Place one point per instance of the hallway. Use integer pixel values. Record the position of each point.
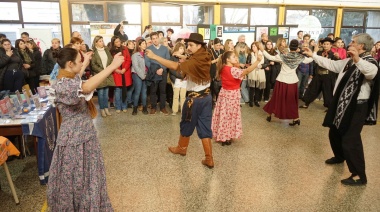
(273, 167)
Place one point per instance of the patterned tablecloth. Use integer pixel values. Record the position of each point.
(45, 130)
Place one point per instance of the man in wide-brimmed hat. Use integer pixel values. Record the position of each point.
(197, 109)
(323, 79)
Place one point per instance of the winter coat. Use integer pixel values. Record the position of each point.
(97, 67)
(127, 74)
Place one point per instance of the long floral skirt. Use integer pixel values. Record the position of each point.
(226, 120)
(77, 179)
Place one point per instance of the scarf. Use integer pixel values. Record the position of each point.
(344, 102)
(197, 68)
(256, 78)
(26, 56)
(292, 59)
(91, 106)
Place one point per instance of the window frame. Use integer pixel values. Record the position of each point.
(249, 7)
(311, 12)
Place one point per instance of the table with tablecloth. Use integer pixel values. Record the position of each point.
(8, 149)
(45, 129)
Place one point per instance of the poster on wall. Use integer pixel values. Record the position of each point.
(219, 31)
(284, 31)
(41, 36)
(103, 29)
(259, 31)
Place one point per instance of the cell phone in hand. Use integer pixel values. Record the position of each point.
(125, 22)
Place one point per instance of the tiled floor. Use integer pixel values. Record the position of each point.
(273, 167)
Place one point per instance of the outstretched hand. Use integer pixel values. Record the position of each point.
(87, 58)
(307, 52)
(118, 59)
(149, 54)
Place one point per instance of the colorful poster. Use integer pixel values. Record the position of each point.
(273, 31)
(219, 32)
(212, 31)
(202, 32)
(284, 31)
(259, 31)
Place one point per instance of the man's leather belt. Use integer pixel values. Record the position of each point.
(323, 72)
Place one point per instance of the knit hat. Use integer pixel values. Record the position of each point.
(293, 45)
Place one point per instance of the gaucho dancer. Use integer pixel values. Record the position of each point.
(197, 110)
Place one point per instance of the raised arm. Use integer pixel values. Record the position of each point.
(95, 81)
(167, 63)
(276, 58)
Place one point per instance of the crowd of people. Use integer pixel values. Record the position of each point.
(207, 83)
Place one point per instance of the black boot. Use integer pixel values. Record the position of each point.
(145, 110)
(134, 112)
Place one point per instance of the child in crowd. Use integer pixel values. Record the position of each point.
(179, 82)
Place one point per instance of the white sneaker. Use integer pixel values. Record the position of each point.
(118, 111)
(173, 114)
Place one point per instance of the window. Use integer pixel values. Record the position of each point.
(235, 16)
(243, 19)
(124, 12)
(355, 22)
(55, 29)
(263, 16)
(9, 11)
(165, 14)
(84, 30)
(294, 16)
(87, 12)
(193, 15)
(326, 17)
(11, 31)
(40, 11)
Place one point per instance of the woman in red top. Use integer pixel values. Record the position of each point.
(226, 120)
(339, 50)
(122, 76)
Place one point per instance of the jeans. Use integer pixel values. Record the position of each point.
(139, 89)
(119, 103)
(302, 83)
(244, 92)
(103, 97)
(130, 94)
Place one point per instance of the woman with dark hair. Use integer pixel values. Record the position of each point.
(216, 51)
(77, 179)
(28, 64)
(340, 52)
(284, 102)
(122, 76)
(271, 71)
(139, 71)
(119, 32)
(101, 59)
(11, 75)
(37, 60)
(147, 30)
(226, 119)
(257, 78)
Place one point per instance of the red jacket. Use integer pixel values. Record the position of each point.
(127, 74)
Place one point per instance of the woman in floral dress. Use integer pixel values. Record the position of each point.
(226, 120)
(77, 176)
